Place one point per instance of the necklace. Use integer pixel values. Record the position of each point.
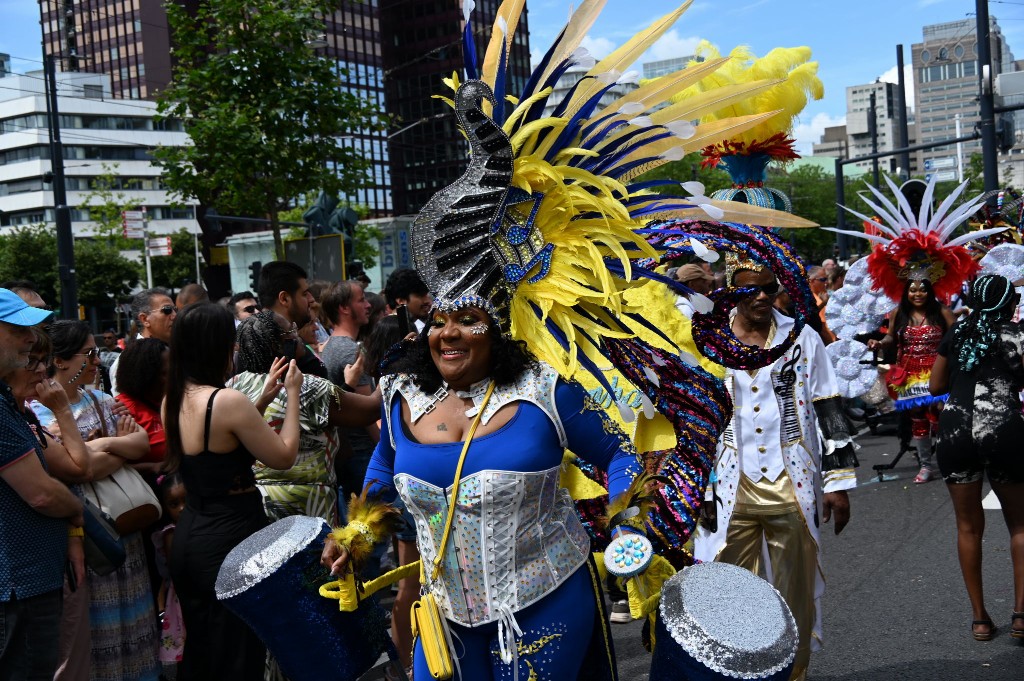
(476, 392)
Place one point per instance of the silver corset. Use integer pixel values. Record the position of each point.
(515, 538)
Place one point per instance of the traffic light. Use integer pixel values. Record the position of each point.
(255, 269)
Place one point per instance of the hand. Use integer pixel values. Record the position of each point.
(838, 504)
(334, 557)
(76, 556)
(273, 384)
(126, 425)
(118, 409)
(293, 379)
(874, 345)
(354, 372)
(52, 395)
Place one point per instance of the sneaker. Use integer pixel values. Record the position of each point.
(620, 613)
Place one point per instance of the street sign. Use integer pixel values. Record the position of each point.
(160, 245)
(945, 175)
(947, 162)
(134, 223)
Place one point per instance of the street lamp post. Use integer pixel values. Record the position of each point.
(62, 213)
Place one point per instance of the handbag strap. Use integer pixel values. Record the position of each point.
(96, 408)
(455, 487)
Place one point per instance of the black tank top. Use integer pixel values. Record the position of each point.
(214, 474)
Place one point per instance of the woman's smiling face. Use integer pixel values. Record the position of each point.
(460, 345)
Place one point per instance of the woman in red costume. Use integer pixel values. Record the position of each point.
(916, 327)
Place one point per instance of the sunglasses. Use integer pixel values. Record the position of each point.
(166, 310)
(251, 309)
(820, 279)
(771, 290)
(91, 353)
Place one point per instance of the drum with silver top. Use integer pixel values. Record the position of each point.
(719, 621)
(271, 581)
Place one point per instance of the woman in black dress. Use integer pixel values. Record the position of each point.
(980, 432)
(214, 435)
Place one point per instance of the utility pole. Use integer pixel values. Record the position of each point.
(986, 100)
(904, 128)
(873, 132)
(62, 214)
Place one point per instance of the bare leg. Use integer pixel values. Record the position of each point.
(970, 526)
(1011, 498)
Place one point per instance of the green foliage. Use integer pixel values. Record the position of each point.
(31, 253)
(367, 237)
(180, 266)
(101, 272)
(264, 113)
(105, 206)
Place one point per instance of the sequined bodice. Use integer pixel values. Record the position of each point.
(514, 539)
(919, 346)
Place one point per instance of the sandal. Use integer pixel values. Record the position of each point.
(1016, 633)
(923, 476)
(984, 635)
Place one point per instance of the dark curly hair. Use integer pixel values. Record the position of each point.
(139, 369)
(509, 359)
(259, 342)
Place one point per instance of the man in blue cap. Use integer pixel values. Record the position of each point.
(37, 515)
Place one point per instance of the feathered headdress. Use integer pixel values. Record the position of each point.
(790, 79)
(916, 247)
(551, 226)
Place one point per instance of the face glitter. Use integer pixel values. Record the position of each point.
(479, 329)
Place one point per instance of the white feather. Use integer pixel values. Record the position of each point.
(713, 211)
(865, 218)
(503, 25)
(581, 57)
(630, 78)
(688, 358)
(923, 223)
(694, 187)
(703, 252)
(885, 218)
(980, 234)
(682, 129)
(648, 406)
(673, 154)
(701, 303)
(651, 376)
(870, 237)
(641, 121)
(467, 8)
(935, 223)
(625, 412)
(608, 77)
(904, 213)
(631, 108)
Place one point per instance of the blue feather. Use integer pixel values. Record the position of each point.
(500, 106)
(531, 84)
(572, 128)
(469, 52)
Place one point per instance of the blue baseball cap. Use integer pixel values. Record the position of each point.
(14, 310)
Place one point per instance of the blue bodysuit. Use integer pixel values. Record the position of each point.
(513, 559)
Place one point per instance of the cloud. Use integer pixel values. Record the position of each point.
(670, 46)
(807, 134)
(598, 47)
(891, 76)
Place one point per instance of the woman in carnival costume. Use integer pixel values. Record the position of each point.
(530, 256)
(918, 266)
(980, 431)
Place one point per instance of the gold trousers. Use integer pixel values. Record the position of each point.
(768, 513)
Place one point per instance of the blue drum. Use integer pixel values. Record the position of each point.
(718, 621)
(272, 580)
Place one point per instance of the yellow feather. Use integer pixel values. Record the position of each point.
(573, 33)
(653, 92)
(509, 11)
(622, 58)
(787, 99)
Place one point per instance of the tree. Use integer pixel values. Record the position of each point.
(101, 272)
(106, 206)
(366, 237)
(266, 115)
(178, 267)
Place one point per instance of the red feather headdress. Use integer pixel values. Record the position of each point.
(916, 247)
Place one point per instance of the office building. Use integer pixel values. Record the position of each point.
(946, 85)
(421, 43)
(663, 67)
(833, 143)
(888, 118)
(100, 135)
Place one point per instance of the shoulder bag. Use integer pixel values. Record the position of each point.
(427, 620)
(123, 495)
